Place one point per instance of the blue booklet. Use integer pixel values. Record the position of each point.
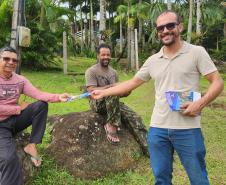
(84, 95)
(176, 99)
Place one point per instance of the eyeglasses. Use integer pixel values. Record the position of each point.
(168, 26)
(8, 59)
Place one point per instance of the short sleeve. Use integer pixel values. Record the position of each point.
(90, 78)
(144, 73)
(204, 63)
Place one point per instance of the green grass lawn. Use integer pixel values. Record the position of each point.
(142, 101)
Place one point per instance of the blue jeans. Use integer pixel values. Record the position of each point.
(189, 145)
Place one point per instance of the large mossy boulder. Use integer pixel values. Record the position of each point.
(79, 145)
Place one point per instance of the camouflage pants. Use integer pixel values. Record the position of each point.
(117, 113)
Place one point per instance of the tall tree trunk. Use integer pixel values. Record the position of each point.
(132, 52)
(198, 22)
(217, 47)
(109, 16)
(143, 42)
(224, 30)
(74, 28)
(136, 50)
(129, 47)
(73, 23)
(102, 26)
(140, 27)
(92, 27)
(81, 23)
(169, 5)
(86, 23)
(190, 21)
(129, 40)
(42, 14)
(121, 36)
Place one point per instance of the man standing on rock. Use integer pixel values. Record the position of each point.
(15, 117)
(102, 76)
(176, 67)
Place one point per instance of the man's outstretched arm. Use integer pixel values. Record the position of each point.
(119, 89)
(92, 87)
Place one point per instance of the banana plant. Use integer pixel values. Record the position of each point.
(6, 10)
(52, 13)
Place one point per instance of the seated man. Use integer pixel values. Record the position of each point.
(14, 117)
(102, 76)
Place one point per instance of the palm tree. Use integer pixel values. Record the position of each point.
(42, 14)
(140, 26)
(124, 15)
(189, 32)
(92, 38)
(81, 26)
(50, 13)
(154, 11)
(129, 23)
(121, 17)
(102, 26)
(198, 21)
(130, 13)
(142, 9)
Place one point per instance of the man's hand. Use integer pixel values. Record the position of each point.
(24, 105)
(97, 94)
(63, 97)
(192, 108)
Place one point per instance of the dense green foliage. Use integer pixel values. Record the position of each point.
(44, 48)
(220, 54)
(44, 18)
(5, 21)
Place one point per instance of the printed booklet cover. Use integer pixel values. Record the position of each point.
(175, 99)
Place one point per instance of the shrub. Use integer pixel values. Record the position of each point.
(220, 54)
(42, 51)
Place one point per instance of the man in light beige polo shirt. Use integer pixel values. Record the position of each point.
(176, 67)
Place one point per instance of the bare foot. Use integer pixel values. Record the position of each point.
(31, 150)
(111, 133)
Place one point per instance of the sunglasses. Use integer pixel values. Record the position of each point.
(8, 59)
(168, 26)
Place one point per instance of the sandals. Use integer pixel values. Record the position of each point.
(112, 136)
(36, 160)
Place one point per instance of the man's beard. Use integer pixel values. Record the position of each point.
(172, 39)
(104, 63)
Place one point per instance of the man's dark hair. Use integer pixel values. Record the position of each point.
(179, 18)
(103, 46)
(7, 48)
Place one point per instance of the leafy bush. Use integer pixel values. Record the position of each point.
(114, 63)
(220, 54)
(5, 22)
(43, 49)
(87, 52)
